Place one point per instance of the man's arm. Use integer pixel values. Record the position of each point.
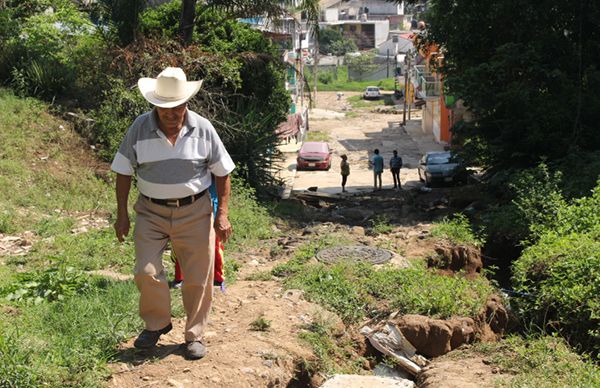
(223, 228)
(122, 223)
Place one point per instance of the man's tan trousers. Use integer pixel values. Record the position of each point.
(190, 229)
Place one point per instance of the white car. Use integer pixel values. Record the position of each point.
(372, 92)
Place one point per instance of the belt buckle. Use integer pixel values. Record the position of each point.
(173, 203)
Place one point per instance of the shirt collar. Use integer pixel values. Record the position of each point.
(187, 126)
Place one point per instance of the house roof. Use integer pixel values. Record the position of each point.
(324, 4)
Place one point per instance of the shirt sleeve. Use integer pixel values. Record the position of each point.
(126, 157)
(220, 163)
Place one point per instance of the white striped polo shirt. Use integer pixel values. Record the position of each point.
(167, 171)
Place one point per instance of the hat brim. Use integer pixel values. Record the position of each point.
(147, 87)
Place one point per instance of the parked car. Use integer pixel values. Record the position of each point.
(441, 167)
(314, 155)
(372, 92)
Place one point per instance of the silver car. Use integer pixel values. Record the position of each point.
(441, 167)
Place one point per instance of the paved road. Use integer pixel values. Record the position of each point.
(357, 137)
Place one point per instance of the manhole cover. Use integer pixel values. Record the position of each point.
(354, 253)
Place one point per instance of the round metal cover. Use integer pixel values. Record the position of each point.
(354, 253)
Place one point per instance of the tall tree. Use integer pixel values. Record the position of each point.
(528, 71)
(186, 24)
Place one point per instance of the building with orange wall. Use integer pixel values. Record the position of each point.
(437, 117)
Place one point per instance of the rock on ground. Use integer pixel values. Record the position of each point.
(358, 381)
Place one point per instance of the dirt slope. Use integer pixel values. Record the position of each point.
(238, 356)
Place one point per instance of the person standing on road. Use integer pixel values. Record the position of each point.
(173, 152)
(345, 171)
(395, 166)
(377, 163)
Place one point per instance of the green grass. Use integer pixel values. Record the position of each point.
(343, 84)
(540, 362)
(360, 102)
(43, 167)
(68, 343)
(93, 250)
(68, 324)
(317, 136)
(250, 220)
(356, 290)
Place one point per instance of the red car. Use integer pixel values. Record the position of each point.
(314, 155)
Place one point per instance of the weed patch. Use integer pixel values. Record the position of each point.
(381, 224)
(457, 230)
(251, 221)
(260, 324)
(335, 354)
(49, 285)
(355, 290)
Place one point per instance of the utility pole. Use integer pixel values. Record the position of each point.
(406, 88)
(387, 62)
(300, 65)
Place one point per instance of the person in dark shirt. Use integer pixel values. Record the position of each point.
(395, 166)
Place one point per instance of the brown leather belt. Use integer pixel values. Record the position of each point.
(176, 202)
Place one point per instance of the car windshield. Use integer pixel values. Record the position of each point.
(314, 147)
(372, 89)
(438, 159)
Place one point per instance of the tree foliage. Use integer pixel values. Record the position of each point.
(332, 41)
(54, 50)
(528, 71)
(361, 64)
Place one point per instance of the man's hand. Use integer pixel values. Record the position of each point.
(122, 227)
(223, 228)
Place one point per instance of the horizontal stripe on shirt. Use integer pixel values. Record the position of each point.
(172, 171)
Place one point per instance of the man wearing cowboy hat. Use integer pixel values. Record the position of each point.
(173, 152)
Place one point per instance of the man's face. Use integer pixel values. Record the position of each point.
(172, 117)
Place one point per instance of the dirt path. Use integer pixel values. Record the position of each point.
(238, 356)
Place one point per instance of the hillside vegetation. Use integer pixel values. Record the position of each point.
(60, 324)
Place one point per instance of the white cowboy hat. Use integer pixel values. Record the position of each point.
(170, 89)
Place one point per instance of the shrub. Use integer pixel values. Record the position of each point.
(119, 108)
(559, 282)
(52, 50)
(325, 77)
(534, 200)
(538, 197)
